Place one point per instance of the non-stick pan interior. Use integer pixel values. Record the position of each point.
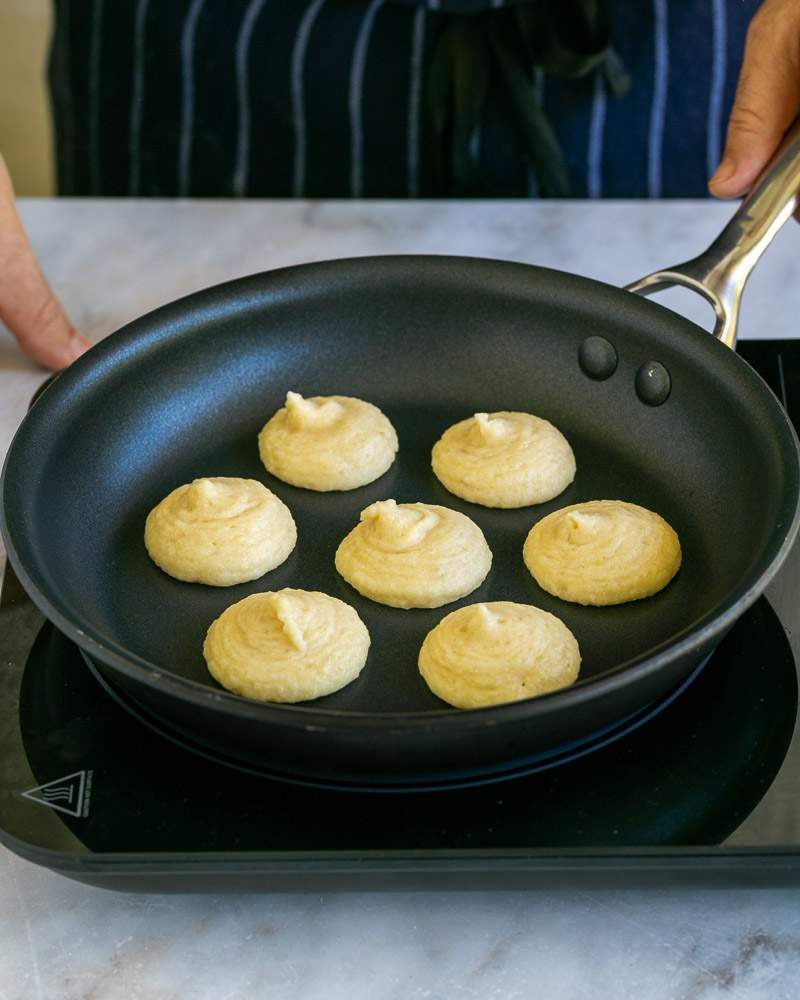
(184, 391)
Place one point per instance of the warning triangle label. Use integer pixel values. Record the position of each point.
(67, 794)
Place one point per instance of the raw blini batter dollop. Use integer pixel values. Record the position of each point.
(414, 555)
(327, 442)
(489, 654)
(286, 645)
(504, 459)
(602, 552)
(220, 531)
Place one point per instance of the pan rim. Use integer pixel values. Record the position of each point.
(106, 652)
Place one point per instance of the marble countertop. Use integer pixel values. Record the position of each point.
(111, 261)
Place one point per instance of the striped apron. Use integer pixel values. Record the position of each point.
(326, 99)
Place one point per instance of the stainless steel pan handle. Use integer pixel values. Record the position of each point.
(719, 273)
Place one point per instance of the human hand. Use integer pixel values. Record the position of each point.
(767, 97)
(27, 305)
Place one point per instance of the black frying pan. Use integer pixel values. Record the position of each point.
(183, 391)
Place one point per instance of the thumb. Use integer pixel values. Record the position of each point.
(41, 326)
(27, 305)
(767, 98)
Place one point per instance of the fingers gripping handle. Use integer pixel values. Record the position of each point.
(719, 273)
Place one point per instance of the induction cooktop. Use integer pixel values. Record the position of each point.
(702, 787)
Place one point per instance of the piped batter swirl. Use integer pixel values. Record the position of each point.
(602, 552)
(504, 459)
(414, 555)
(287, 646)
(220, 531)
(327, 442)
(490, 654)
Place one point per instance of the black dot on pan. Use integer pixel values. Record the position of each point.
(597, 358)
(653, 383)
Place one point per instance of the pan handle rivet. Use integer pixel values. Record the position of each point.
(653, 383)
(597, 358)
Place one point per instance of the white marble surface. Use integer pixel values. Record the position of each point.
(64, 942)
(111, 261)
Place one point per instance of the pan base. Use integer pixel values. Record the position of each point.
(533, 764)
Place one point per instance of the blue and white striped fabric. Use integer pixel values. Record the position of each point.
(326, 98)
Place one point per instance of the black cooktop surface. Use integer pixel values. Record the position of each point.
(703, 786)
